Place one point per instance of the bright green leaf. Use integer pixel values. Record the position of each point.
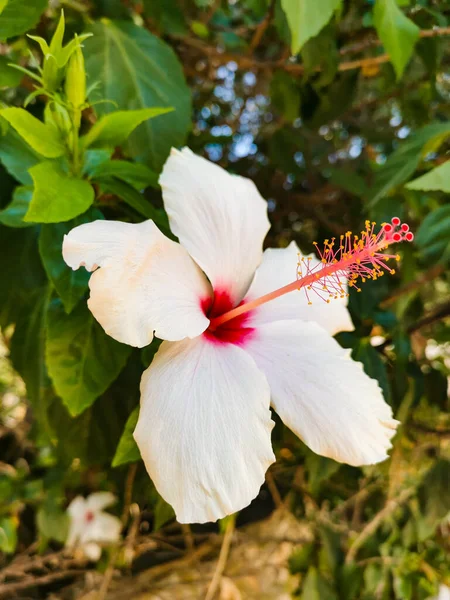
(13, 214)
(306, 18)
(115, 128)
(65, 199)
(127, 450)
(135, 174)
(70, 285)
(137, 70)
(41, 137)
(402, 163)
(18, 16)
(8, 534)
(82, 360)
(398, 33)
(437, 179)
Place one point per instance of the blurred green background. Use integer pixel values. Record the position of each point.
(339, 111)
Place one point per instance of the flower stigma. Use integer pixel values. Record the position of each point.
(353, 258)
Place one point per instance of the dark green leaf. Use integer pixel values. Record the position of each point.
(82, 360)
(17, 156)
(66, 197)
(167, 14)
(135, 174)
(316, 587)
(127, 450)
(13, 214)
(137, 70)
(404, 161)
(70, 285)
(137, 201)
(433, 236)
(373, 364)
(17, 16)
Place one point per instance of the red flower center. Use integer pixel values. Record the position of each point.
(233, 331)
(89, 516)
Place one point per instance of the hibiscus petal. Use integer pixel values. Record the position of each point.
(103, 528)
(322, 394)
(99, 500)
(146, 282)
(221, 219)
(204, 428)
(278, 268)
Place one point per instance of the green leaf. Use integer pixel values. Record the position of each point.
(136, 70)
(13, 214)
(319, 469)
(163, 513)
(70, 285)
(402, 163)
(93, 159)
(9, 77)
(8, 534)
(433, 236)
(373, 364)
(138, 202)
(42, 138)
(82, 360)
(285, 95)
(398, 33)
(137, 175)
(167, 14)
(115, 128)
(17, 156)
(21, 269)
(66, 197)
(27, 352)
(316, 587)
(437, 179)
(127, 450)
(18, 16)
(52, 522)
(306, 18)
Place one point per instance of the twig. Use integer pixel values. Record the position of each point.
(188, 537)
(276, 496)
(247, 62)
(221, 563)
(373, 525)
(438, 314)
(7, 589)
(261, 29)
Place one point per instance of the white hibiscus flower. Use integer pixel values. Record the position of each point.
(233, 346)
(90, 526)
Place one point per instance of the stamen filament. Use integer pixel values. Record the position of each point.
(357, 257)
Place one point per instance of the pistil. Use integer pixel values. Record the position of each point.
(353, 258)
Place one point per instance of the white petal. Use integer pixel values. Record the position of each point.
(100, 500)
(76, 511)
(322, 394)
(103, 528)
(278, 268)
(146, 283)
(204, 428)
(91, 551)
(221, 219)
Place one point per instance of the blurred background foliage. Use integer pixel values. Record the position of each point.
(339, 111)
